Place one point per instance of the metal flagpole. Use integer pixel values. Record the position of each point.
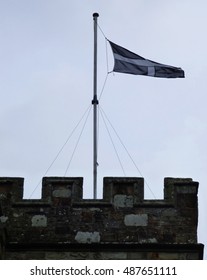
(95, 104)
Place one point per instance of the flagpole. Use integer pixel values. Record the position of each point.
(95, 104)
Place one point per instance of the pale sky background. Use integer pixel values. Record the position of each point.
(46, 85)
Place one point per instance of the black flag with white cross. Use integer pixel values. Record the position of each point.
(131, 63)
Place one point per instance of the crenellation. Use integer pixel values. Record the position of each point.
(128, 187)
(70, 189)
(122, 217)
(11, 189)
(172, 186)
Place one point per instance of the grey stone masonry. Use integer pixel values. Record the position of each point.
(63, 225)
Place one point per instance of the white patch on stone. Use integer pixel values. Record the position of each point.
(87, 237)
(3, 219)
(136, 220)
(121, 200)
(62, 193)
(39, 221)
(149, 240)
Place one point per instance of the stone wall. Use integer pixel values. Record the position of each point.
(2, 236)
(122, 225)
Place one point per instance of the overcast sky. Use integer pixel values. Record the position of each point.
(46, 87)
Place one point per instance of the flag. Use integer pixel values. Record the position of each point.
(128, 62)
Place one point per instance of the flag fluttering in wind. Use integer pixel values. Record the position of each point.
(128, 62)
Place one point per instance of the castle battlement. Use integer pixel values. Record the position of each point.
(65, 222)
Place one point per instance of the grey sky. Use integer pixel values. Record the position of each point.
(46, 83)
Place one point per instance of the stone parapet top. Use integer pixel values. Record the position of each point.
(117, 191)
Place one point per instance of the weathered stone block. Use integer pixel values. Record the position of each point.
(62, 193)
(121, 200)
(39, 221)
(136, 220)
(87, 237)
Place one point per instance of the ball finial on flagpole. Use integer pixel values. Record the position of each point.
(95, 15)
